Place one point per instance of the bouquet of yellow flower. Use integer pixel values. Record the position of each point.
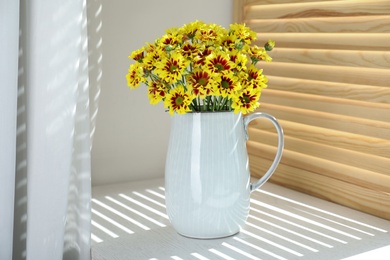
(202, 67)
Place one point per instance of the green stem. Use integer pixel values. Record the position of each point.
(183, 82)
(223, 103)
(208, 103)
(230, 105)
(215, 101)
(194, 105)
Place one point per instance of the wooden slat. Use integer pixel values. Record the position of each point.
(324, 151)
(351, 75)
(367, 59)
(334, 41)
(354, 24)
(360, 198)
(318, 9)
(377, 129)
(238, 7)
(358, 176)
(374, 111)
(271, 2)
(325, 136)
(331, 89)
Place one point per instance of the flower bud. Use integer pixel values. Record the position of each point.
(269, 45)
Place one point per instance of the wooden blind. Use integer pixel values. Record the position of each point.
(329, 86)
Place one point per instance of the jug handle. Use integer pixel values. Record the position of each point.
(278, 156)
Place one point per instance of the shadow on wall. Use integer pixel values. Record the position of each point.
(20, 207)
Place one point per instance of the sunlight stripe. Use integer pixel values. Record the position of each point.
(307, 220)
(144, 206)
(216, 252)
(104, 229)
(336, 222)
(259, 248)
(272, 243)
(199, 256)
(300, 226)
(156, 193)
(95, 238)
(136, 212)
(282, 237)
(321, 210)
(120, 214)
(111, 221)
(240, 251)
(148, 199)
(290, 231)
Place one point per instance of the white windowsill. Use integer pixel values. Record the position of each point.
(129, 222)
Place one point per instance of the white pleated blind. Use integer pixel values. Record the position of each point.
(329, 86)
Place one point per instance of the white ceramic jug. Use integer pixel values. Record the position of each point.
(207, 178)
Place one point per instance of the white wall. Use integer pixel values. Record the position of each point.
(131, 135)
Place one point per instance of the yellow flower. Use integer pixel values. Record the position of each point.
(137, 55)
(256, 53)
(255, 79)
(239, 59)
(156, 92)
(171, 39)
(149, 47)
(200, 59)
(246, 101)
(267, 58)
(189, 30)
(231, 43)
(227, 86)
(202, 67)
(242, 32)
(210, 34)
(135, 76)
(178, 100)
(171, 68)
(218, 62)
(152, 57)
(201, 83)
(189, 51)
